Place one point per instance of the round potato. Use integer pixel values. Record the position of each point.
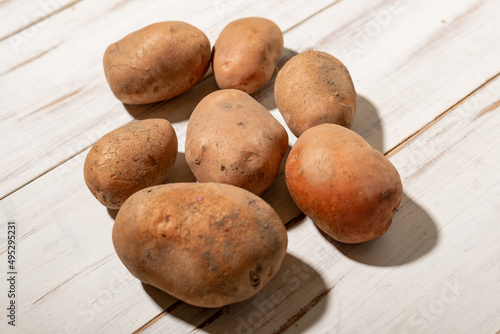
(315, 88)
(207, 244)
(157, 62)
(246, 53)
(233, 139)
(348, 189)
(130, 158)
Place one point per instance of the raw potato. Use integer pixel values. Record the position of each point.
(350, 190)
(246, 53)
(207, 244)
(233, 139)
(129, 159)
(315, 88)
(157, 62)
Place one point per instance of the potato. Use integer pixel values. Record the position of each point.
(246, 53)
(130, 158)
(157, 62)
(233, 139)
(315, 88)
(348, 189)
(207, 244)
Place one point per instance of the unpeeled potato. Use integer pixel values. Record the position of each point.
(348, 189)
(128, 159)
(314, 88)
(207, 244)
(245, 54)
(157, 62)
(233, 139)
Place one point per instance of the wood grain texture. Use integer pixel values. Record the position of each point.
(25, 18)
(437, 268)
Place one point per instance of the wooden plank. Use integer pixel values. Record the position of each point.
(436, 269)
(26, 18)
(77, 94)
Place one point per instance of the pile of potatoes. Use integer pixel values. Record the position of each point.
(216, 242)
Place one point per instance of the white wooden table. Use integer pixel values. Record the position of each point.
(428, 78)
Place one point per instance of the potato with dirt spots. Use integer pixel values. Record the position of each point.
(233, 139)
(157, 62)
(130, 158)
(246, 53)
(314, 88)
(348, 189)
(207, 244)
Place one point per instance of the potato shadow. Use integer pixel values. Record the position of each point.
(162, 299)
(367, 123)
(265, 95)
(411, 236)
(296, 284)
(177, 109)
(278, 196)
(112, 213)
(181, 171)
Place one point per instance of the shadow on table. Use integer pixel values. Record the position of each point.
(179, 108)
(296, 290)
(265, 95)
(367, 123)
(412, 234)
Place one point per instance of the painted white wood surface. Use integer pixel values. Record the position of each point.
(444, 242)
(24, 18)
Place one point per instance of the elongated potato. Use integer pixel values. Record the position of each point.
(130, 158)
(233, 139)
(157, 62)
(207, 244)
(246, 53)
(349, 190)
(315, 88)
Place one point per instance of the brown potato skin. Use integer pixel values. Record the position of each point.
(157, 62)
(246, 53)
(314, 88)
(348, 189)
(130, 158)
(233, 139)
(207, 244)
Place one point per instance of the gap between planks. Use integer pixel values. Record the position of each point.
(417, 133)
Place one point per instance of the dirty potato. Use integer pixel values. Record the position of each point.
(233, 139)
(348, 189)
(246, 53)
(157, 62)
(207, 244)
(314, 88)
(130, 158)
